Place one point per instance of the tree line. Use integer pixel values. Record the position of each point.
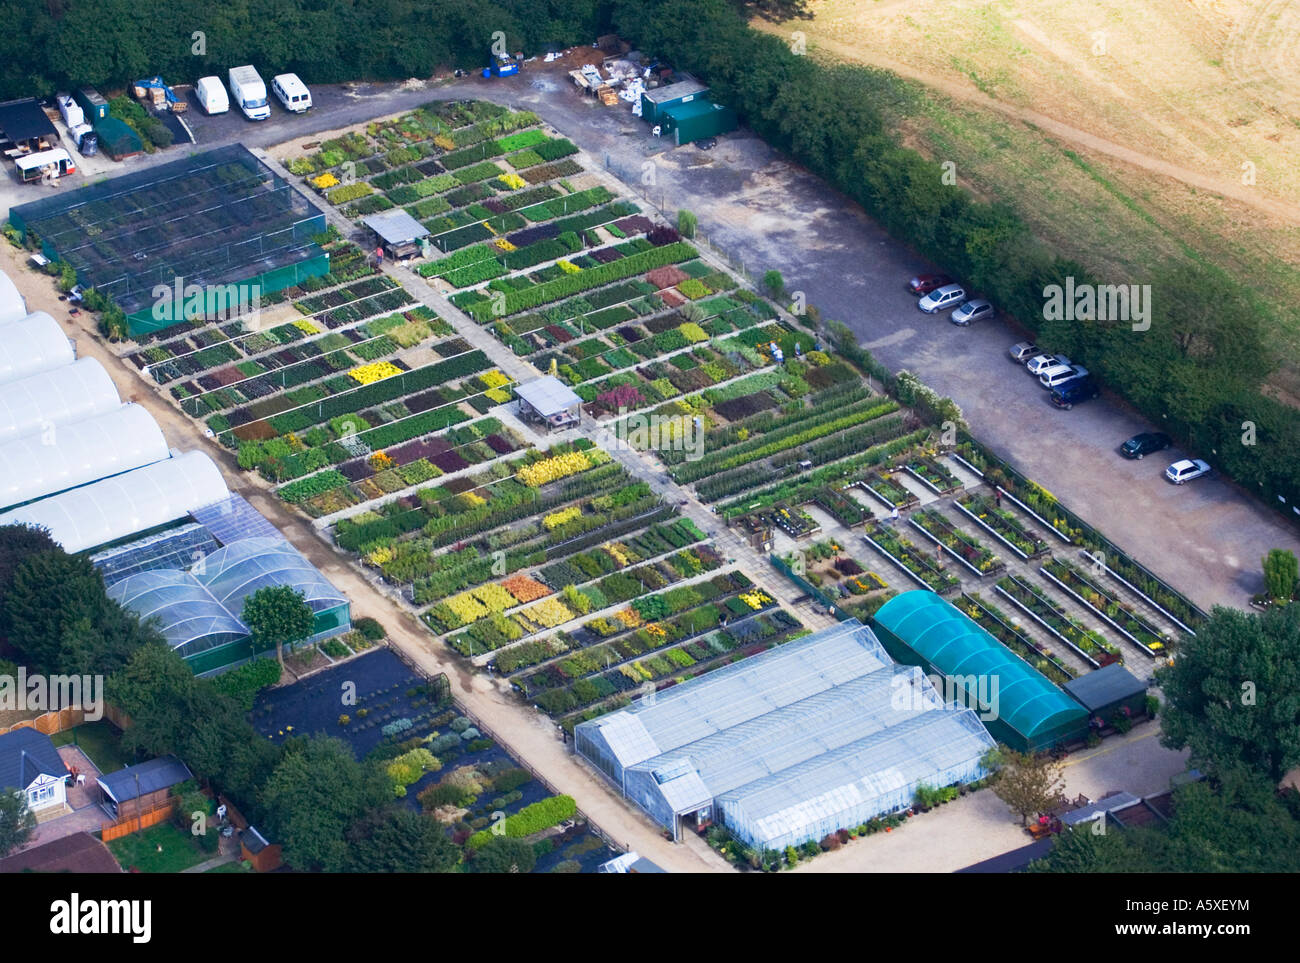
(1196, 371)
(330, 811)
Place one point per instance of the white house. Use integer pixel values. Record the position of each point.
(30, 764)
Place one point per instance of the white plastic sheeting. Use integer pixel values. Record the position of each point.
(73, 392)
(118, 507)
(31, 345)
(67, 456)
(185, 612)
(13, 307)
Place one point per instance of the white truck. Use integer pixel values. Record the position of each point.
(249, 91)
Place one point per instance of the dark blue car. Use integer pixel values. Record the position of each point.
(1066, 395)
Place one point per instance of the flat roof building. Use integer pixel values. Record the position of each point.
(548, 401)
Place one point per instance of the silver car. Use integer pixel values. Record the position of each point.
(1022, 351)
(970, 311)
(940, 298)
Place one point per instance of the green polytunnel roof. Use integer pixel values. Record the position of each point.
(954, 645)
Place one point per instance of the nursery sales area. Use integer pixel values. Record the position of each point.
(715, 612)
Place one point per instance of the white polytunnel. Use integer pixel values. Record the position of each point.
(73, 392)
(67, 456)
(136, 501)
(31, 345)
(13, 306)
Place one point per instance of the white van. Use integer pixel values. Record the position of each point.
(212, 95)
(291, 92)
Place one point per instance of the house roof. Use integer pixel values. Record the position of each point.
(24, 119)
(24, 755)
(161, 773)
(547, 395)
(396, 227)
(78, 853)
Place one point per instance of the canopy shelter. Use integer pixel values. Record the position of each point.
(548, 401)
(398, 231)
(1109, 690)
(24, 128)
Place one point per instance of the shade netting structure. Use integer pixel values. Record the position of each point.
(817, 735)
(1024, 708)
(220, 221)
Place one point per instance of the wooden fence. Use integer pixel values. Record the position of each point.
(133, 823)
(60, 720)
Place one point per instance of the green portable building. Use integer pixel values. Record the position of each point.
(655, 102)
(1017, 704)
(696, 119)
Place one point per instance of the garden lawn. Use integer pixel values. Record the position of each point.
(179, 850)
(101, 741)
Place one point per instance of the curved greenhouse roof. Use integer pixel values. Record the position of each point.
(13, 307)
(189, 618)
(953, 644)
(241, 568)
(33, 344)
(79, 453)
(72, 392)
(135, 501)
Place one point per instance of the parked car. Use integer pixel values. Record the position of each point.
(1073, 391)
(1061, 374)
(212, 95)
(925, 283)
(1022, 351)
(1185, 470)
(969, 312)
(1144, 444)
(940, 298)
(1041, 362)
(707, 143)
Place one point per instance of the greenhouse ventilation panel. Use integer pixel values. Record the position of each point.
(185, 612)
(787, 746)
(920, 628)
(68, 456)
(32, 345)
(125, 505)
(70, 393)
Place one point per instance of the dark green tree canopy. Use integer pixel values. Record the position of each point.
(277, 615)
(1232, 695)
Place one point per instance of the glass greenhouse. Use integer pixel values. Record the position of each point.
(67, 456)
(116, 508)
(185, 612)
(177, 548)
(69, 393)
(1032, 713)
(816, 735)
(32, 345)
(13, 306)
(238, 570)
